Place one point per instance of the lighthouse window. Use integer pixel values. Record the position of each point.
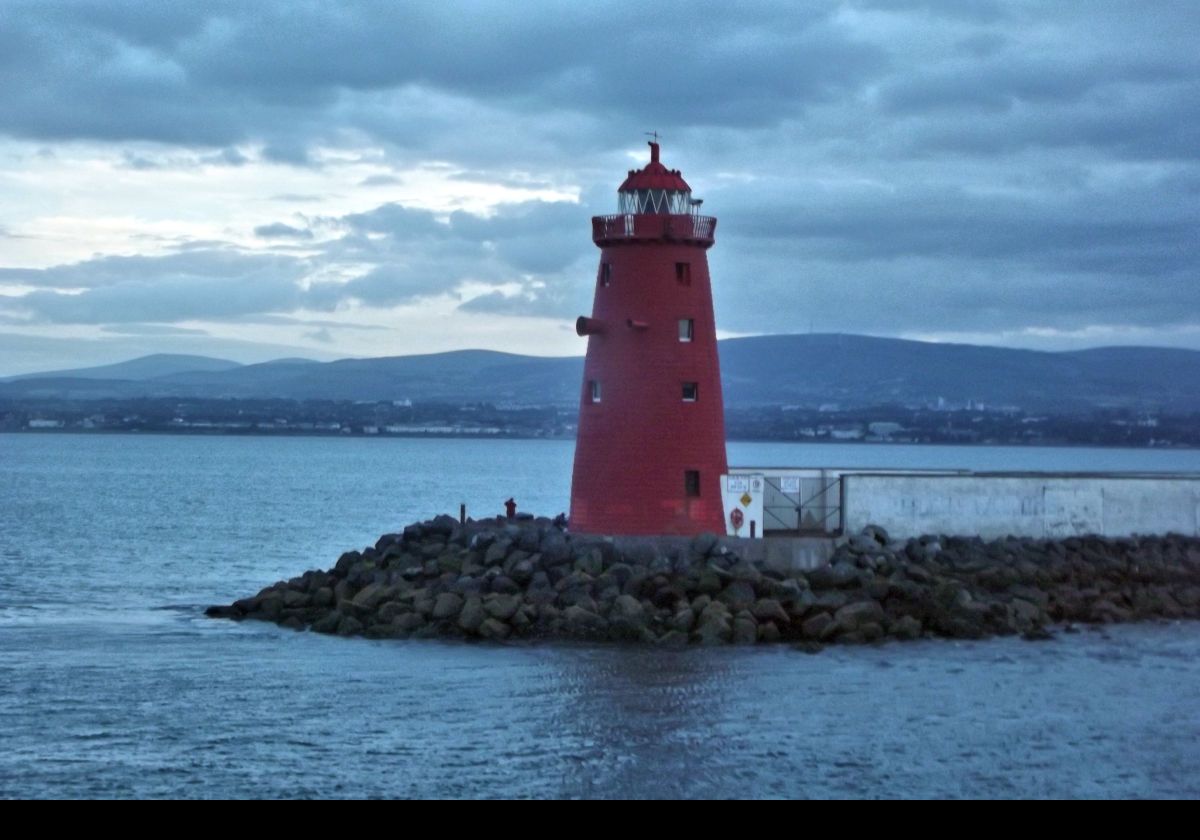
(594, 390)
(690, 391)
(687, 327)
(691, 483)
(683, 273)
(605, 274)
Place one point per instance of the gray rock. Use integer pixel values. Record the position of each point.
(590, 561)
(494, 629)
(738, 595)
(472, 614)
(328, 623)
(349, 626)
(768, 609)
(853, 616)
(839, 576)
(450, 561)
(745, 629)
(372, 596)
(683, 621)
(673, 639)
(447, 606)
(522, 572)
(293, 599)
(496, 552)
(504, 585)
(906, 627)
(717, 631)
(408, 622)
(627, 618)
(502, 607)
(876, 533)
(387, 613)
(584, 623)
(769, 632)
(815, 627)
(555, 551)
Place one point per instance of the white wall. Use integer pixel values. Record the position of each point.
(1031, 506)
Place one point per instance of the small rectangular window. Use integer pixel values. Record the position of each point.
(687, 328)
(691, 483)
(594, 390)
(605, 274)
(683, 273)
(691, 390)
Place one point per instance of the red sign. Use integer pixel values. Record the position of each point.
(736, 518)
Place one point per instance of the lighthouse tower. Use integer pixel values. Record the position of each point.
(651, 444)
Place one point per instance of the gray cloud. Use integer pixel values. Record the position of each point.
(150, 329)
(379, 181)
(279, 230)
(195, 265)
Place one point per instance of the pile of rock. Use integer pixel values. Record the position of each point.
(498, 580)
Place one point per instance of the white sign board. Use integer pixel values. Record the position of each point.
(742, 502)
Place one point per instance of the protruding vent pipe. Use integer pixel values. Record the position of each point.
(587, 326)
(637, 325)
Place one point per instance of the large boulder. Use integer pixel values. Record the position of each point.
(502, 607)
(627, 618)
(745, 629)
(838, 576)
(472, 614)
(447, 606)
(494, 629)
(583, 623)
(768, 609)
(738, 595)
(853, 616)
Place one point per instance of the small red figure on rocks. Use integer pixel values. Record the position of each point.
(510, 509)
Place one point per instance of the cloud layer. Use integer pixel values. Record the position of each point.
(999, 169)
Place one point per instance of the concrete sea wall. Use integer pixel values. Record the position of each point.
(1039, 506)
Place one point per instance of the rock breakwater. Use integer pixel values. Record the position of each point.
(496, 580)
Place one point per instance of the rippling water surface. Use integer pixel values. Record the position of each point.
(112, 683)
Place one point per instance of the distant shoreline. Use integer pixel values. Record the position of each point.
(501, 436)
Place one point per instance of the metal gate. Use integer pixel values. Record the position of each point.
(803, 504)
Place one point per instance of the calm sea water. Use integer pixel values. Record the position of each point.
(112, 683)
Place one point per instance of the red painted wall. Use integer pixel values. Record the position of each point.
(636, 443)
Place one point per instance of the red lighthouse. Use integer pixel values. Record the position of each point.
(651, 445)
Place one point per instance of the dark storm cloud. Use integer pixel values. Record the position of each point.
(273, 71)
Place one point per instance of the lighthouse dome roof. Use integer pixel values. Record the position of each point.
(654, 176)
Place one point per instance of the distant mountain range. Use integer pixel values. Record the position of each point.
(803, 370)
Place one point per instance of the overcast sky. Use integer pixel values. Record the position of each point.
(263, 179)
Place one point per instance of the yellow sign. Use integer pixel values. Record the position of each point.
(746, 499)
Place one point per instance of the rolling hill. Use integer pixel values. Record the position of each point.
(804, 370)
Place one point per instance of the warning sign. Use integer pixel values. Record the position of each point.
(746, 499)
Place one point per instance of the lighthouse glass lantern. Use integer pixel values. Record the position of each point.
(650, 454)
